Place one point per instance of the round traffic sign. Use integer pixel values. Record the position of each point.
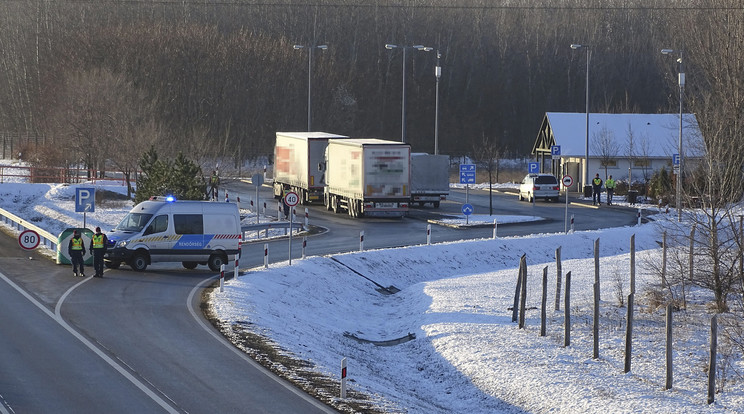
(467, 209)
(567, 181)
(29, 239)
(291, 199)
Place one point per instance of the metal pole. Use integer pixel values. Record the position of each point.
(403, 102)
(309, 79)
(586, 144)
(438, 74)
(681, 156)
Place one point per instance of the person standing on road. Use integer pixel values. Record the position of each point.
(98, 246)
(596, 190)
(214, 185)
(76, 250)
(610, 185)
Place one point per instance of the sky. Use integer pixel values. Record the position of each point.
(455, 297)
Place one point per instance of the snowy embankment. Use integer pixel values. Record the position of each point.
(467, 355)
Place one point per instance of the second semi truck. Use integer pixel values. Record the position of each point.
(366, 176)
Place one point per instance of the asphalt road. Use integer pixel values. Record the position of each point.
(128, 343)
(137, 342)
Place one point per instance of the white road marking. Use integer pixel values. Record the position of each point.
(58, 318)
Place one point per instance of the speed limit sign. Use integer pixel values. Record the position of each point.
(291, 199)
(29, 239)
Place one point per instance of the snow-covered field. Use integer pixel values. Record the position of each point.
(467, 355)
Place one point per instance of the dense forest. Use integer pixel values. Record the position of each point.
(93, 80)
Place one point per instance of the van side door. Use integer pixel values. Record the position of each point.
(189, 245)
(157, 237)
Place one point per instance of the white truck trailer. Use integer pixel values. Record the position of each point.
(299, 164)
(370, 177)
(429, 178)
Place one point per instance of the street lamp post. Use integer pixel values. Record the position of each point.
(403, 99)
(438, 74)
(309, 78)
(585, 170)
(679, 143)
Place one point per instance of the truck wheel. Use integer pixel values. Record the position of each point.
(189, 265)
(112, 265)
(216, 260)
(436, 204)
(139, 262)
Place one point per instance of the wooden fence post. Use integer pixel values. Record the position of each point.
(629, 334)
(567, 312)
(559, 274)
(632, 264)
(515, 308)
(595, 323)
(544, 305)
(713, 356)
(669, 370)
(663, 259)
(523, 297)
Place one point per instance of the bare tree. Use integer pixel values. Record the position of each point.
(487, 155)
(606, 147)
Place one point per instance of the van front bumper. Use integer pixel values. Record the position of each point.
(117, 255)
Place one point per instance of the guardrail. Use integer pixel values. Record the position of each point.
(47, 239)
(265, 227)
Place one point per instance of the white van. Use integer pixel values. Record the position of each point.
(165, 230)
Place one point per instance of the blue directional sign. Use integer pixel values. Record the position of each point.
(675, 159)
(533, 168)
(467, 173)
(467, 209)
(85, 200)
(555, 151)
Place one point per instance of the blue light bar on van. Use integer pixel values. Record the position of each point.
(170, 199)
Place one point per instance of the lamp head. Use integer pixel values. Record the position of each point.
(324, 47)
(390, 46)
(295, 47)
(575, 46)
(667, 51)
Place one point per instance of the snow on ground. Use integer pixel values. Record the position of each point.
(467, 355)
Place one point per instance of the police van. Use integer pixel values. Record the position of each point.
(165, 230)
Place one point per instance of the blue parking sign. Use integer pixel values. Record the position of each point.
(533, 168)
(675, 159)
(85, 200)
(555, 150)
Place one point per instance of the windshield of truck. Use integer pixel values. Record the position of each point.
(134, 222)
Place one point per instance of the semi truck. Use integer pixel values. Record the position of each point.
(429, 178)
(299, 164)
(367, 176)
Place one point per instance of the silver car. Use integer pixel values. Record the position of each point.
(539, 186)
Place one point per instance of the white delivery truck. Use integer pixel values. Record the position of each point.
(367, 176)
(165, 230)
(298, 164)
(429, 178)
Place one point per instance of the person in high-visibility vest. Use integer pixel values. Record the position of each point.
(76, 249)
(610, 185)
(98, 246)
(596, 190)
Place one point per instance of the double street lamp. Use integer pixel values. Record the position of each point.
(309, 78)
(586, 144)
(679, 143)
(403, 100)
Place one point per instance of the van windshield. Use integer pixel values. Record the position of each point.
(134, 222)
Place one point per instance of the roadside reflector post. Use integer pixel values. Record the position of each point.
(266, 255)
(572, 223)
(304, 245)
(428, 234)
(343, 378)
(307, 219)
(361, 241)
(237, 261)
(222, 277)
(495, 227)
(639, 216)
(264, 210)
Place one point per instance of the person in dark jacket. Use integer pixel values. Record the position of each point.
(596, 190)
(98, 246)
(76, 250)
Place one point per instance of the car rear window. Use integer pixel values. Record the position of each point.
(546, 179)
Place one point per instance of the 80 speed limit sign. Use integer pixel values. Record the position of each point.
(29, 239)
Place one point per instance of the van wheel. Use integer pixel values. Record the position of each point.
(138, 262)
(189, 265)
(216, 260)
(112, 265)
